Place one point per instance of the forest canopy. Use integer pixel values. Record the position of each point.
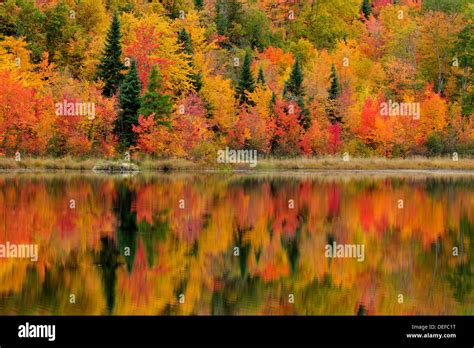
(187, 78)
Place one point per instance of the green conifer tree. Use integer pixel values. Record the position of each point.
(365, 8)
(129, 101)
(335, 89)
(110, 66)
(333, 92)
(294, 91)
(294, 86)
(155, 101)
(246, 81)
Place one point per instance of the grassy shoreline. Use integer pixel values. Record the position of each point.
(270, 164)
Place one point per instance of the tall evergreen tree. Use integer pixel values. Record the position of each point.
(155, 101)
(246, 81)
(333, 92)
(261, 77)
(365, 8)
(110, 66)
(129, 101)
(294, 90)
(335, 89)
(294, 86)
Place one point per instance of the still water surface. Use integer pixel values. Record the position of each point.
(230, 244)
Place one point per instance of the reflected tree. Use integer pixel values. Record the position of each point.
(108, 262)
(126, 223)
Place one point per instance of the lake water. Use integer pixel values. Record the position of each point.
(235, 244)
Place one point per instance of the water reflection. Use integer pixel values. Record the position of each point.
(222, 244)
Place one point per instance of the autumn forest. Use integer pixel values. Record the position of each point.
(185, 78)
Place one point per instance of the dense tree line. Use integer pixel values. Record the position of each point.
(184, 78)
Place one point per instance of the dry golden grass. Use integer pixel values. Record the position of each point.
(298, 163)
(68, 163)
(169, 164)
(365, 164)
(47, 164)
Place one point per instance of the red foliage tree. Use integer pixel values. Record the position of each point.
(334, 144)
(143, 48)
(287, 128)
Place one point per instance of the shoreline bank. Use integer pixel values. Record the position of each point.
(264, 165)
